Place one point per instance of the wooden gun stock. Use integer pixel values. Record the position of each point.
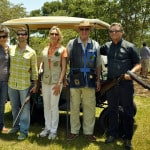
(109, 84)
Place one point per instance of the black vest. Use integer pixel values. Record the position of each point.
(82, 65)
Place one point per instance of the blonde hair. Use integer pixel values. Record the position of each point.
(59, 32)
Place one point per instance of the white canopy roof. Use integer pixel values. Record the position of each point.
(46, 22)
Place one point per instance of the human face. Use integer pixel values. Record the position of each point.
(22, 36)
(54, 36)
(115, 33)
(3, 38)
(84, 33)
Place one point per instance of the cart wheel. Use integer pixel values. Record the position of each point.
(104, 120)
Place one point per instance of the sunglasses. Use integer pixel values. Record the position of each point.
(114, 31)
(21, 34)
(56, 34)
(84, 29)
(3, 36)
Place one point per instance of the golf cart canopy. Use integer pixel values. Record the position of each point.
(46, 22)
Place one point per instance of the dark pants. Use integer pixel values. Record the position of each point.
(121, 94)
(3, 99)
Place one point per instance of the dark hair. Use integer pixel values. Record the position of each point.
(22, 29)
(4, 29)
(144, 44)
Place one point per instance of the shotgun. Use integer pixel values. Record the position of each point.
(21, 109)
(109, 84)
(138, 80)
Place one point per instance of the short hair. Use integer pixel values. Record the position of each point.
(22, 29)
(118, 24)
(144, 44)
(59, 32)
(4, 29)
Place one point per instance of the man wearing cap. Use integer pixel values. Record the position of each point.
(85, 70)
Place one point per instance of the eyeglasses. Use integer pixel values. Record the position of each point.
(114, 31)
(56, 34)
(3, 36)
(84, 29)
(21, 34)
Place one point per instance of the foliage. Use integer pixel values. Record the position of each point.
(50, 7)
(133, 14)
(11, 11)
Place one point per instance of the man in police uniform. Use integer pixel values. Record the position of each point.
(85, 70)
(122, 56)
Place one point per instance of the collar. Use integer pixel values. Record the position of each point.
(119, 42)
(88, 41)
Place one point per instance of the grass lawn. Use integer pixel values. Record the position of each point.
(141, 138)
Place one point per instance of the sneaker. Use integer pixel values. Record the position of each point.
(44, 133)
(52, 136)
(22, 136)
(72, 136)
(110, 139)
(91, 137)
(13, 130)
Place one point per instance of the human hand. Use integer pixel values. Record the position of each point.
(56, 89)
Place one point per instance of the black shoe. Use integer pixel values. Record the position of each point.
(72, 136)
(110, 139)
(128, 145)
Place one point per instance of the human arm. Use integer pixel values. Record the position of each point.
(135, 58)
(135, 69)
(34, 73)
(98, 69)
(57, 87)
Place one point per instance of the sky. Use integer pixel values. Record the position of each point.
(31, 4)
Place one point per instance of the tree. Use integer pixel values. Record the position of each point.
(50, 7)
(10, 11)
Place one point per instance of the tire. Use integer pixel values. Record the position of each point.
(104, 120)
(36, 106)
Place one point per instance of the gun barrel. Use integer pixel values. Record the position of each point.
(138, 80)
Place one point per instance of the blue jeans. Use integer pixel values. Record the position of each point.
(17, 98)
(3, 98)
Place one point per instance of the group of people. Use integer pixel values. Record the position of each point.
(18, 65)
(83, 54)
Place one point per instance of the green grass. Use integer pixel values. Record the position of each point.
(141, 138)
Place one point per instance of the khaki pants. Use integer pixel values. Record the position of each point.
(86, 97)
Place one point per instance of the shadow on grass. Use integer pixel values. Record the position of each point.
(79, 144)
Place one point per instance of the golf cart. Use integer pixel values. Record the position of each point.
(63, 22)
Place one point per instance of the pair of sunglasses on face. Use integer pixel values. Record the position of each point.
(3, 36)
(84, 29)
(21, 34)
